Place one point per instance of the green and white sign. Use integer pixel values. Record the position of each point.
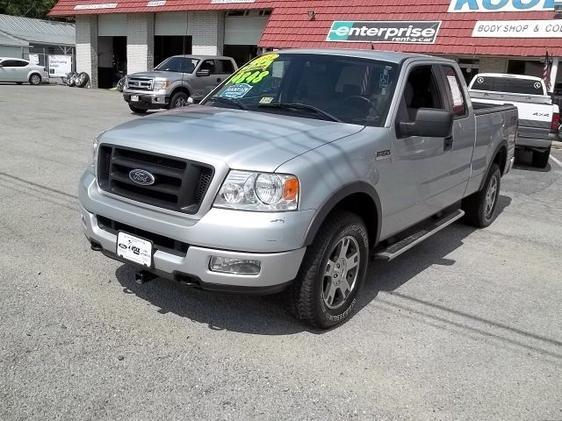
(400, 32)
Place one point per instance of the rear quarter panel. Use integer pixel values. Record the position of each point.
(494, 129)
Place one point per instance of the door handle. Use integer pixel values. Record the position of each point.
(448, 143)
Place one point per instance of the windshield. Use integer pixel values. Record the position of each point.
(508, 85)
(178, 64)
(335, 88)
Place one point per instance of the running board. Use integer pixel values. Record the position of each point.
(402, 246)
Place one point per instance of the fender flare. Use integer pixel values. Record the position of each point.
(330, 204)
(503, 144)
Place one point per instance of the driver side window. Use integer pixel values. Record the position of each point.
(208, 65)
(421, 91)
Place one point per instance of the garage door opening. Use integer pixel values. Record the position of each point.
(241, 53)
(170, 45)
(112, 60)
(242, 31)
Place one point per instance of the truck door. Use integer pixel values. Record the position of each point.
(461, 143)
(423, 162)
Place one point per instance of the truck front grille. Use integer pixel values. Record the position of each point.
(160, 242)
(139, 83)
(178, 184)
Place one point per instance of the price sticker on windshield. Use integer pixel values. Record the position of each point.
(255, 71)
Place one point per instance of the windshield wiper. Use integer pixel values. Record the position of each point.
(228, 101)
(300, 106)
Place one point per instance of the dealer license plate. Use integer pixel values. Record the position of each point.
(135, 98)
(134, 249)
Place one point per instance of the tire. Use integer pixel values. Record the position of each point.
(82, 79)
(137, 110)
(482, 207)
(35, 79)
(317, 296)
(179, 99)
(19, 83)
(540, 159)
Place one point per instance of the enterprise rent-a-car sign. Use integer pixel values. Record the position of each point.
(403, 32)
(501, 5)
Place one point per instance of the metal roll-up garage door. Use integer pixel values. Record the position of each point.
(243, 30)
(112, 25)
(168, 24)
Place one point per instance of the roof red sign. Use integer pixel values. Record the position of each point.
(307, 23)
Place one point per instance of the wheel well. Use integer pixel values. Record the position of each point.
(501, 158)
(364, 206)
(180, 89)
(34, 73)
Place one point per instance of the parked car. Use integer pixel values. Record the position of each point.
(293, 171)
(175, 80)
(20, 71)
(539, 117)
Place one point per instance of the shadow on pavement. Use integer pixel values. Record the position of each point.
(267, 315)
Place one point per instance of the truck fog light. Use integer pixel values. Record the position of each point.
(234, 266)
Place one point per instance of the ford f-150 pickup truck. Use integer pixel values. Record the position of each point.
(295, 171)
(539, 117)
(174, 81)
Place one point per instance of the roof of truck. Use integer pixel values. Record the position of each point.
(390, 56)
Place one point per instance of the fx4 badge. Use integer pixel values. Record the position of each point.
(383, 155)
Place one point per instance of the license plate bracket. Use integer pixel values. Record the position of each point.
(135, 249)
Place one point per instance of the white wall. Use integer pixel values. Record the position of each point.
(86, 47)
(140, 42)
(207, 31)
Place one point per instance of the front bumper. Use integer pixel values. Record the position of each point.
(258, 236)
(146, 100)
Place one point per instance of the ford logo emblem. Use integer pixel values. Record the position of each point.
(141, 177)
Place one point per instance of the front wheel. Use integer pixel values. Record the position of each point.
(481, 207)
(332, 273)
(35, 79)
(540, 159)
(136, 109)
(179, 99)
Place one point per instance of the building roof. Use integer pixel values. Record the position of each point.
(291, 25)
(7, 40)
(99, 7)
(37, 31)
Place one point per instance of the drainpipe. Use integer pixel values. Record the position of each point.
(553, 73)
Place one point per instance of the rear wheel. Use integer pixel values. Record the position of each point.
(481, 207)
(35, 79)
(540, 159)
(332, 273)
(179, 99)
(137, 110)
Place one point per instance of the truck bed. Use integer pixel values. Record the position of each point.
(481, 108)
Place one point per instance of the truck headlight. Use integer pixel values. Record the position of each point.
(268, 192)
(95, 149)
(160, 84)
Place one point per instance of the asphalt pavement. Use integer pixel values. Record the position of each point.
(467, 325)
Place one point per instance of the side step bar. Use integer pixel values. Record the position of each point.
(402, 246)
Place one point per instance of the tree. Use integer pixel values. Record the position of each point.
(28, 8)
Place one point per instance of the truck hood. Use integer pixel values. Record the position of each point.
(154, 74)
(245, 140)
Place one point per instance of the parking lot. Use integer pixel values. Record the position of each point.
(465, 326)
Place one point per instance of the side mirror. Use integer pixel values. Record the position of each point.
(428, 122)
(203, 73)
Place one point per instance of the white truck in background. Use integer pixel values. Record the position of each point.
(539, 118)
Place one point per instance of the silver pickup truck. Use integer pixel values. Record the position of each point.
(295, 171)
(174, 81)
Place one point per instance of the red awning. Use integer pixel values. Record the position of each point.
(290, 24)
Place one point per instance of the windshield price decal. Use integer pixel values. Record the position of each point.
(255, 71)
